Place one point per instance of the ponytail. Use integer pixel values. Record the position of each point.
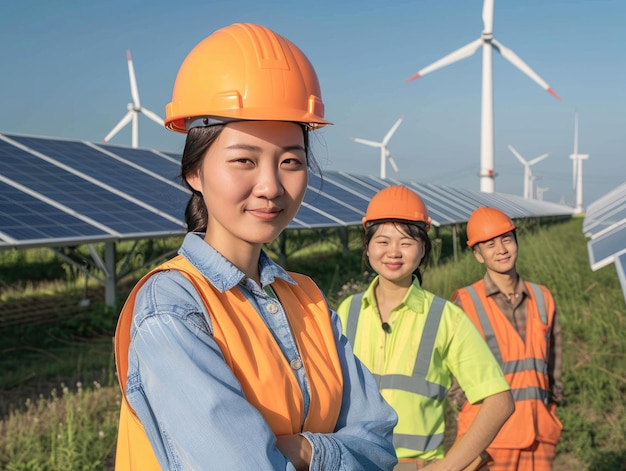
(196, 146)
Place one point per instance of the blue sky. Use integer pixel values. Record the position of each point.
(64, 74)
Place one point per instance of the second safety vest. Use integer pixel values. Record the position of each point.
(265, 375)
(414, 394)
(524, 364)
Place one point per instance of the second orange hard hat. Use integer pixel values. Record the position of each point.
(245, 72)
(397, 203)
(486, 223)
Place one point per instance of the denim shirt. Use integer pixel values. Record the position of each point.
(192, 406)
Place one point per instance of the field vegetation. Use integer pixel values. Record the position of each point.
(60, 399)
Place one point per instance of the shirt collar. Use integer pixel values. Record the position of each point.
(491, 288)
(220, 271)
(413, 299)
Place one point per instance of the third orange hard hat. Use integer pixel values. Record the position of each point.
(397, 203)
(245, 72)
(486, 223)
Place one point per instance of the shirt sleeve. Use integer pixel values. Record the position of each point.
(189, 401)
(470, 360)
(195, 414)
(363, 436)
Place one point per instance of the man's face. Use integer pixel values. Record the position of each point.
(498, 254)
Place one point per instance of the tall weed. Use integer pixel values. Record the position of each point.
(70, 430)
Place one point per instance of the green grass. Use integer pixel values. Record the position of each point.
(75, 428)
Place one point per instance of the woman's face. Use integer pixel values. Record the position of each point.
(394, 254)
(252, 179)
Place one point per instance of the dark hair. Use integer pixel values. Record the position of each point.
(415, 231)
(196, 146)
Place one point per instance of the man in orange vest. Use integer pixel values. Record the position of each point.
(518, 319)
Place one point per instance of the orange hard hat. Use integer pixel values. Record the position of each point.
(245, 72)
(486, 223)
(397, 203)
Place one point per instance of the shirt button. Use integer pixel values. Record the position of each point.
(272, 308)
(296, 363)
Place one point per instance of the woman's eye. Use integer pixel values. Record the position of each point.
(242, 161)
(292, 163)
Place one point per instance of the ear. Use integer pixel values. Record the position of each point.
(194, 180)
(477, 255)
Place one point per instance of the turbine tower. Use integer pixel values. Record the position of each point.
(540, 191)
(384, 152)
(488, 43)
(577, 170)
(134, 108)
(528, 174)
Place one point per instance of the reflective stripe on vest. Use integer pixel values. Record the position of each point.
(514, 366)
(416, 383)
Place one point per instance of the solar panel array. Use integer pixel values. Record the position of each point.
(59, 192)
(605, 224)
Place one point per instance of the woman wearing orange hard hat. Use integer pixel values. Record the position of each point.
(415, 342)
(226, 361)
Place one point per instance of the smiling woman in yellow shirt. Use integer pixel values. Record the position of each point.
(415, 342)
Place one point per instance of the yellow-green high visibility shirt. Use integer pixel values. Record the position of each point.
(415, 359)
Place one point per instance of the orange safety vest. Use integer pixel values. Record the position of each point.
(524, 364)
(265, 375)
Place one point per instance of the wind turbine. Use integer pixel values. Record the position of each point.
(488, 43)
(540, 191)
(384, 152)
(577, 171)
(134, 109)
(528, 174)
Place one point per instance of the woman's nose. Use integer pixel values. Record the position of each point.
(394, 251)
(269, 184)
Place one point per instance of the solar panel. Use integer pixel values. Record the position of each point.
(602, 249)
(605, 224)
(58, 186)
(57, 191)
(620, 266)
(115, 171)
(22, 214)
(605, 212)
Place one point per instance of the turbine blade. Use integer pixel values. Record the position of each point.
(539, 159)
(153, 116)
(517, 154)
(124, 121)
(488, 16)
(454, 56)
(393, 165)
(514, 59)
(133, 82)
(392, 130)
(366, 142)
